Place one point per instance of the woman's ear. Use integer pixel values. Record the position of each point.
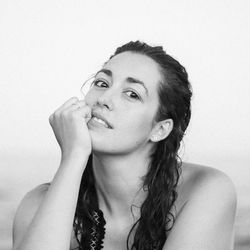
(161, 130)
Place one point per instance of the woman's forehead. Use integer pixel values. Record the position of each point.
(130, 64)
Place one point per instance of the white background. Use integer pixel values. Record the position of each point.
(48, 48)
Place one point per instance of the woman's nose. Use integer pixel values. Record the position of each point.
(105, 100)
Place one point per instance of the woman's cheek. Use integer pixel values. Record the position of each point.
(142, 125)
(90, 99)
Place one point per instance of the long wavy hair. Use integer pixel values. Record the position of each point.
(160, 182)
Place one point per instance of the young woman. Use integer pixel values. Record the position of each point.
(120, 183)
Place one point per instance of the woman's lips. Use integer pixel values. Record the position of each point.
(100, 121)
(98, 118)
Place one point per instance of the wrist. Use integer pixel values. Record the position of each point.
(75, 152)
(75, 157)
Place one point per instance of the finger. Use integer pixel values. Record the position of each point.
(67, 104)
(75, 106)
(81, 103)
(84, 112)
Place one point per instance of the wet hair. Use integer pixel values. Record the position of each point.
(161, 180)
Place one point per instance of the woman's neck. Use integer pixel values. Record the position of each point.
(119, 182)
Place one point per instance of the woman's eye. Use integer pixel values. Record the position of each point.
(100, 83)
(133, 95)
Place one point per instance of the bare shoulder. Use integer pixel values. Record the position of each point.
(197, 179)
(26, 210)
(207, 197)
(36, 193)
(32, 199)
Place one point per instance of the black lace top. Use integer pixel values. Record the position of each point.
(93, 239)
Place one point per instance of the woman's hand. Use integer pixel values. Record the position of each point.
(38, 215)
(69, 123)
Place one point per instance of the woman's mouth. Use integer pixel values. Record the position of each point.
(100, 121)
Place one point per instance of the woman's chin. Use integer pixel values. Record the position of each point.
(99, 145)
(105, 147)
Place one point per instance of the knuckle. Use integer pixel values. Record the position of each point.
(64, 113)
(51, 118)
(74, 98)
(57, 115)
(74, 114)
(82, 102)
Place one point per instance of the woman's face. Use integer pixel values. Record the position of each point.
(124, 95)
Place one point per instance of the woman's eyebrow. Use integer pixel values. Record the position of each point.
(134, 80)
(105, 71)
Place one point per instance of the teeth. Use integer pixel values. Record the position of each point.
(100, 121)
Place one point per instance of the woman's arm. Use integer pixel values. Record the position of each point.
(44, 219)
(51, 225)
(206, 221)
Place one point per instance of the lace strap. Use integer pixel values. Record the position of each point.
(95, 236)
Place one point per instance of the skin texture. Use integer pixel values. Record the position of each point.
(133, 135)
(114, 97)
(206, 205)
